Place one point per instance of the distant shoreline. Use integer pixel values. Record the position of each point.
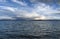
(29, 20)
(45, 20)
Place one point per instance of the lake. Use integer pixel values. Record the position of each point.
(29, 29)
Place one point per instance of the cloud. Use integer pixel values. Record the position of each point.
(20, 2)
(7, 11)
(6, 17)
(39, 11)
(26, 14)
(7, 8)
(3, 1)
(43, 8)
(45, 1)
(41, 1)
(46, 11)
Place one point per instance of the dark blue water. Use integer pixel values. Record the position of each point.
(29, 29)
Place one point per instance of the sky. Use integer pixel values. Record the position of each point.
(35, 9)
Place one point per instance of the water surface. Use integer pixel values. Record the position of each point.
(30, 29)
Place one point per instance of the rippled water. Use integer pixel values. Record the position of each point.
(30, 29)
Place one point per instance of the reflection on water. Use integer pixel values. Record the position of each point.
(30, 29)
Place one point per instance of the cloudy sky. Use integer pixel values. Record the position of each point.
(35, 9)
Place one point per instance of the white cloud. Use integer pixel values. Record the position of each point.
(20, 2)
(46, 9)
(7, 12)
(26, 14)
(40, 11)
(43, 10)
(6, 17)
(8, 8)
